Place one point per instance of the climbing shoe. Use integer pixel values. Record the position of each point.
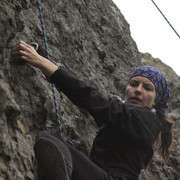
(50, 159)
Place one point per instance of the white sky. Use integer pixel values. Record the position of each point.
(150, 30)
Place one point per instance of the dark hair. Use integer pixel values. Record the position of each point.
(164, 141)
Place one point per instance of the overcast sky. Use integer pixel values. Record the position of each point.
(150, 30)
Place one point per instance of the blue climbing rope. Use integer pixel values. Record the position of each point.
(48, 56)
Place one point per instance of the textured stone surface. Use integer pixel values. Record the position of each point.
(92, 39)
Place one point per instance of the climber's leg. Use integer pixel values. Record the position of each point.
(84, 168)
(79, 167)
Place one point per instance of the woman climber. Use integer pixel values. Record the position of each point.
(129, 132)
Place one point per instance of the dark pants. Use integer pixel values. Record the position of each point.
(80, 166)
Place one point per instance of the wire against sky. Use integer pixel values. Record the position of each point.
(151, 32)
(165, 18)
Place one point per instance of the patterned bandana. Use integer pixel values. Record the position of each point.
(159, 81)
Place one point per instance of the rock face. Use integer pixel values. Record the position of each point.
(90, 38)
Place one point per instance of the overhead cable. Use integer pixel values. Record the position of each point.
(165, 18)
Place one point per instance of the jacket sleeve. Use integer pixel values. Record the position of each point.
(82, 95)
(140, 122)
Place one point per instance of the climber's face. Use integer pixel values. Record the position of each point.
(140, 92)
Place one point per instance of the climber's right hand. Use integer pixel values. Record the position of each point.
(27, 53)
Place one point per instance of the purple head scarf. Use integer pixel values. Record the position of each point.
(160, 83)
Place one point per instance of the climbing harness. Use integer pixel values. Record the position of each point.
(49, 57)
(165, 18)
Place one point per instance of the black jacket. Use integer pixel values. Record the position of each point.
(124, 143)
